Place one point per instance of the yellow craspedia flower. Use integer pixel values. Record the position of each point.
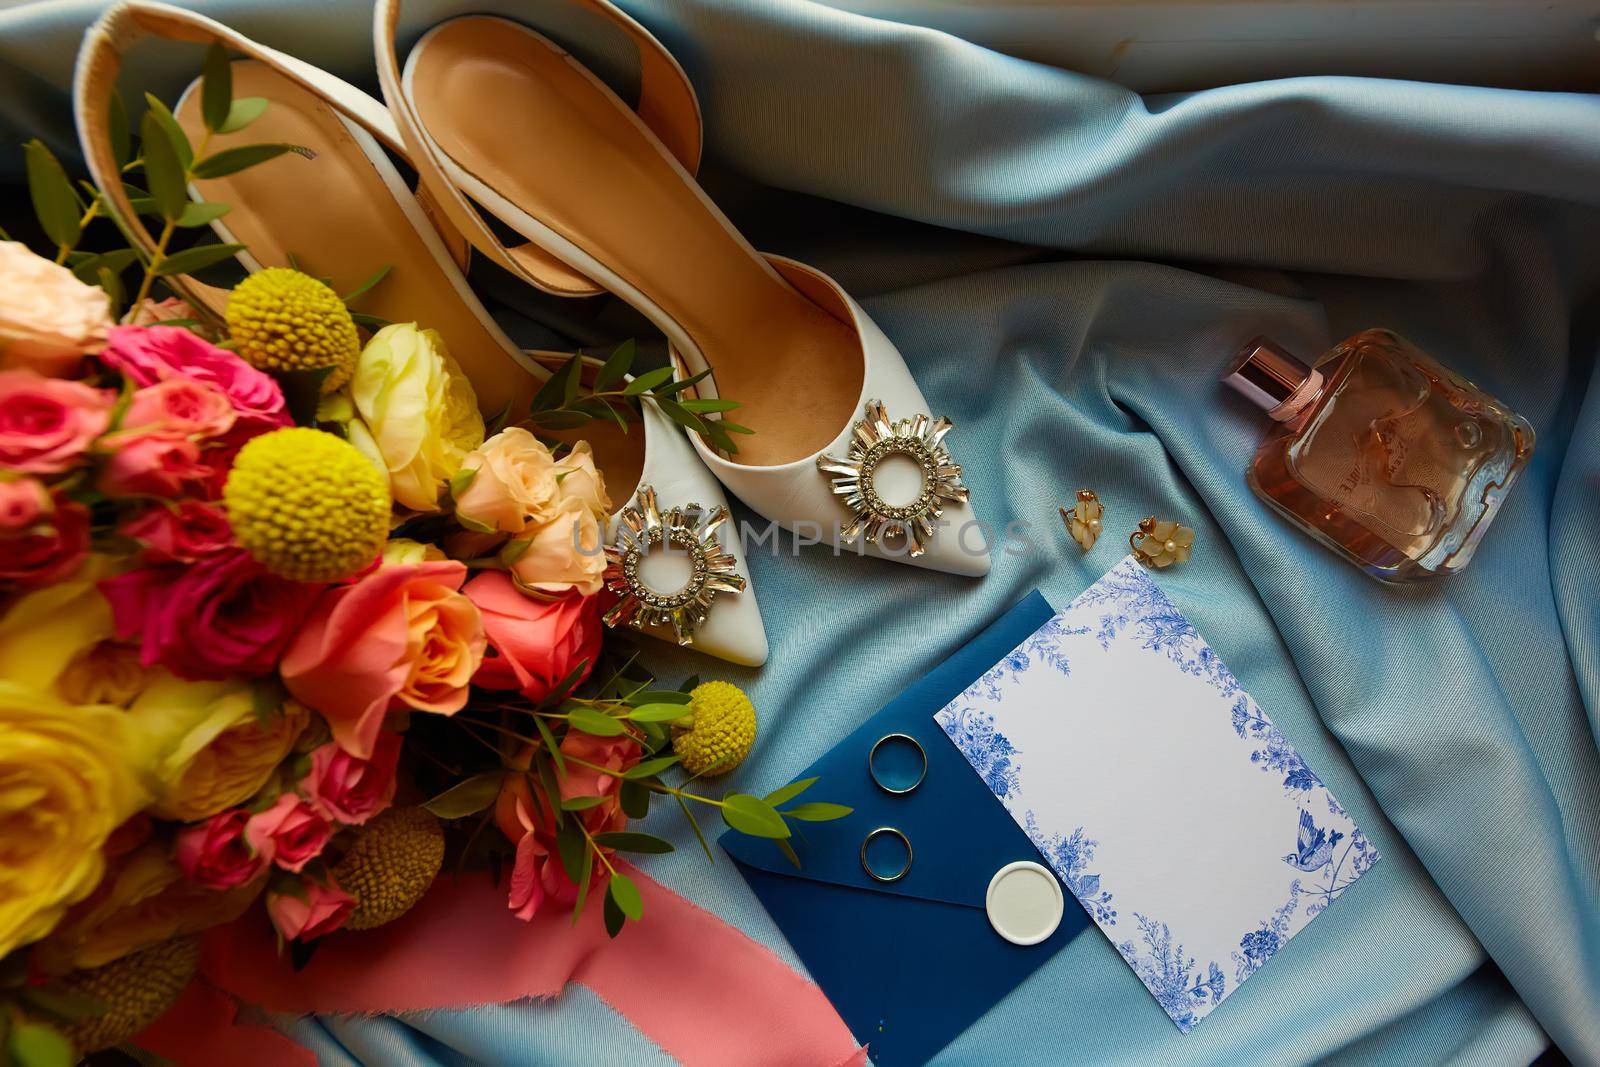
(716, 737)
(134, 991)
(282, 320)
(394, 860)
(306, 504)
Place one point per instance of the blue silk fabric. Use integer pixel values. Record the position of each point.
(1066, 266)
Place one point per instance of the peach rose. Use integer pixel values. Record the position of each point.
(402, 635)
(48, 318)
(581, 480)
(567, 554)
(513, 484)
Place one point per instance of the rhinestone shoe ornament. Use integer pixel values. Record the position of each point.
(874, 439)
(643, 526)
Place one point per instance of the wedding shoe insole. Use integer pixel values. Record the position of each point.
(334, 210)
(520, 116)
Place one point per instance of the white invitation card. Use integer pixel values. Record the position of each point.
(1184, 822)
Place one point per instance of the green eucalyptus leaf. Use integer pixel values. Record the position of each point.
(163, 166)
(788, 850)
(583, 885)
(626, 894)
(550, 745)
(590, 721)
(232, 160)
(616, 366)
(243, 112)
(635, 799)
(614, 917)
(169, 125)
(694, 824)
(581, 803)
(371, 322)
(660, 712)
(681, 415)
(647, 381)
(216, 87)
(118, 132)
(55, 202)
(818, 811)
(468, 797)
(368, 285)
(197, 213)
(673, 388)
(789, 792)
(87, 266)
(634, 841)
(734, 427)
(198, 258)
(515, 549)
(573, 849)
(550, 394)
(649, 768)
(719, 437)
(111, 283)
(753, 816)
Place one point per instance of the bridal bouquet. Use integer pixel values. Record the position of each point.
(285, 625)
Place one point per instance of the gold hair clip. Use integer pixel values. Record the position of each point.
(1161, 544)
(1083, 521)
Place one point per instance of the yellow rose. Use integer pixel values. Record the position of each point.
(46, 630)
(205, 745)
(514, 483)
(416, 414)
(566, 554)
(48, 318)
(581, 480)
(65, 783)
(143, 901)
(405, 550)
(106, 673)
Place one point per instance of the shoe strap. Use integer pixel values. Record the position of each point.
(667, 105)
(667, 101)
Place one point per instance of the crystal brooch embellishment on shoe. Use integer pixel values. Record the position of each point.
(875, 438)
(643, 526)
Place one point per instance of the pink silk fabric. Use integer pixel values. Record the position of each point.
(700, 989)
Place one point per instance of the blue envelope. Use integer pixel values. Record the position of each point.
(909, 964)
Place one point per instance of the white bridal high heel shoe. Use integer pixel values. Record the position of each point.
(564, 163)
(343, 211)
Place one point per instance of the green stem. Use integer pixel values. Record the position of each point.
(597, 850)
(62, 251)
(171, 225)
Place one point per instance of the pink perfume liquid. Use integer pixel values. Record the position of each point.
(1381, 453)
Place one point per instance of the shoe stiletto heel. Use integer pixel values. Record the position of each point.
(566, 165)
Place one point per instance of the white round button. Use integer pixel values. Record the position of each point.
(1024, 902)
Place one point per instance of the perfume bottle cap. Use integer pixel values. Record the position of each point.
(1273, 379)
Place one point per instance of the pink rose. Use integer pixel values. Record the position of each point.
(23, 503)
(538, 875)
(48, 550)
(220, 617)
(401, 635)
(153, 463)
(182, 534)
(215, 853)
(348, 789)
(291, 833)
(181, 405)
(533, 644)
(316, 910)
(148, 354)
(46, 424)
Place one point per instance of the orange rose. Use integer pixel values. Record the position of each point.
(565, 555)
(404, 635)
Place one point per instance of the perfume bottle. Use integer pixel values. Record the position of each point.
(1380, 453)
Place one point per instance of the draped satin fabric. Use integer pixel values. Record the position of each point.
(1067, 266)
